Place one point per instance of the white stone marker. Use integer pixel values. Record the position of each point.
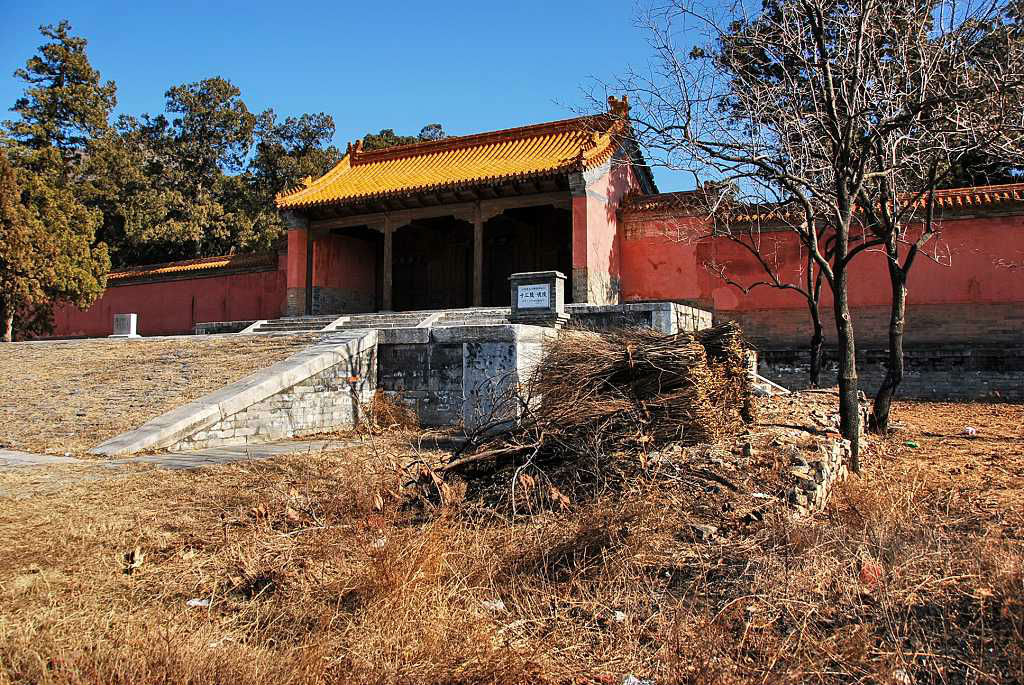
(125, 326)
(536, 296)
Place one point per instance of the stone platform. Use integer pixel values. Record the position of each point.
(667, 317)
(454, 367)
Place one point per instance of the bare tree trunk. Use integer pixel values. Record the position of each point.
(879, 422)
(817, 343)
(8, 327)
(817, 338)
(849, 406)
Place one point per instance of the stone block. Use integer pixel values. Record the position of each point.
(125, 326)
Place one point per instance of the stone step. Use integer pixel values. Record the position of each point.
(296, 324)
(355, 326)
(471, 313)
(278, 322)
(385, 319)
(288, 329)
(300, 322)
(481, 322)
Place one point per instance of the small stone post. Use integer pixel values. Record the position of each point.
(538, 298)
(125, 326)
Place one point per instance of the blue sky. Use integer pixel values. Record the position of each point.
(472, 66)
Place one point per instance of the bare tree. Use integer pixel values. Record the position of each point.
(759, 232)
(969, 95)
(818, 105)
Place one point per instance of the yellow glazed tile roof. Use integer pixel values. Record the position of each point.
(528, 151)
(981, 197)
(193, 265)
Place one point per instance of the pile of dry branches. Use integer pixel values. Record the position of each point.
(601, 402)
(386, 412)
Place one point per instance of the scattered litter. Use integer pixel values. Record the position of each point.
(133, 560)
(901, 677)
(620, 616)
(633, 680)
(379, 543)
(870, 573)
(705, 533)
(493, 605)
(196, 602)
(912, 443)
(970, 430)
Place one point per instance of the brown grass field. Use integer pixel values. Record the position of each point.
(913, 573)
(69, 396)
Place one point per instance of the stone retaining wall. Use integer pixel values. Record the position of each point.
(426, 375)
(817, 474)
(457, 374)
(667, 317)
(933, 372)
(325, 401)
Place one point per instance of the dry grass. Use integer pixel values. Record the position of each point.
(912, 574)
(59, 397)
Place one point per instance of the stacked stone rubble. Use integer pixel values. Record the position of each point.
(817, 474)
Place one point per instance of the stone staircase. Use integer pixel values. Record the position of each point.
(382, 320)
(294, 324)
(477, 316)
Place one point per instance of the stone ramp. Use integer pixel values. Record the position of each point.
(190, 459)
(316, 390)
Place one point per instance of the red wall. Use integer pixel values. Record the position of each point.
(296, 258)
(979, 298)
(345, 262)
(595, 235)
(976, 296)
(172, 307)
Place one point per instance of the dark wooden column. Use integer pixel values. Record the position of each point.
(478, 256)
(386, 290)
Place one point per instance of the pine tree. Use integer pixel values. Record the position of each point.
(53, 256)
(64, 104)
(26, 251)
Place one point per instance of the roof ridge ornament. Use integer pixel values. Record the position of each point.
(618, 108)
(356, 149)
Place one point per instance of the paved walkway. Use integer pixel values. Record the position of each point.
(181, 460)
(10, 458)
(226, 455)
